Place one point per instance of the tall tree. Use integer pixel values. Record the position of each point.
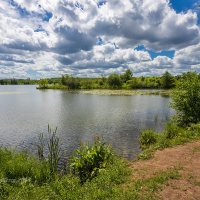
(167, 80)
(127, 75)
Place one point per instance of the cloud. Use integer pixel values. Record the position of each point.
(93, 37)
(71, 41)
(13, 59)
(188, 56)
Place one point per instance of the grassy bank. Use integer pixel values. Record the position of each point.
(171, 136)
(24, 176)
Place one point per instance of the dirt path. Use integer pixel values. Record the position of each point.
(186, 159)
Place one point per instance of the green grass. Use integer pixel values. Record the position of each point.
(21, 177)
(24, 177)
(171, 136)
(54, 87)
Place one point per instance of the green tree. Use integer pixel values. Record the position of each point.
(114, 81)
(127, 75)
(1, 82)
(71, 82)
(63, 80)
(43, 83)
(167, 80)
(186, 99)
(13, 81)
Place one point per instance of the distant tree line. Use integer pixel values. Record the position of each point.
(114, 81)
(125, 80)
(14, 81)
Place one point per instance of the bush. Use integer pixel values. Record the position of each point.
(171, 130)
(186, 99)
(71, 82)
(114, 81)
(89, 160)
(147, 138)
(43, 83)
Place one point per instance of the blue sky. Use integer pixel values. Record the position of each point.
(183, 5)
(88, 38)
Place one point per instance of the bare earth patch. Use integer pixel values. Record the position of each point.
(184, 158)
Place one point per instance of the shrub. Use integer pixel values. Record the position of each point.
(171, 130)
(89, 160)
(114, 81)
(186, 99)
(147, 138)
(43, 83)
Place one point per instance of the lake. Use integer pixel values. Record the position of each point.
(25, 112)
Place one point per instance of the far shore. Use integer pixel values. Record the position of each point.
(126, 92)
(114, 92)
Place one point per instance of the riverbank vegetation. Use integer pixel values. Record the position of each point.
(14, 81)
(94, 171)
(114, 81)
(185, 125)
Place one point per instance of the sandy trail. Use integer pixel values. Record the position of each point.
(185, 158)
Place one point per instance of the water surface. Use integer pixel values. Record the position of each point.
(25, 112)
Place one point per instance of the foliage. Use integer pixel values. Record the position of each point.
(71, 82)
(167, 80)
(88, 161)
(127, 76)
(172, 135)
(54, 151)
(15, 81)
(114, 81)
(186, 99)
(18, 165)
(144, 83)
(40, 146)
(43, 83)
(107, 185)
(171, 130)
(147, 138)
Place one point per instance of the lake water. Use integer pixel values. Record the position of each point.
(25, 112)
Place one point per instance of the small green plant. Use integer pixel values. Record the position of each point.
(88, 161)
(147, 138)
(40, 146)
(163, 141)
(54, 150)
(171, 130)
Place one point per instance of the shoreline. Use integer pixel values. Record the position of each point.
(112, 92)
